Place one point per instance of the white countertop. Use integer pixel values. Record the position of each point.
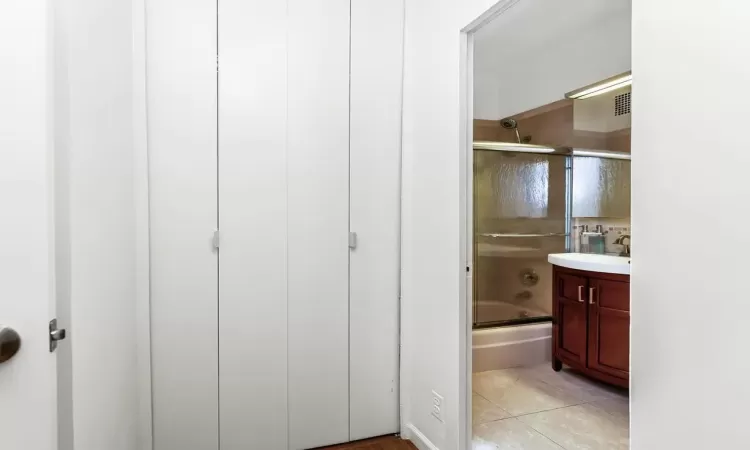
(592, 262)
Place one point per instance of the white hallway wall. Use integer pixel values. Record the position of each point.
(689, 302)
(433, 254)
(667, 376)
(432, 270)
(95, 169)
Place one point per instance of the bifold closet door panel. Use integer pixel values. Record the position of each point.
(181, 77)
(376, 67)
(318, 221)
(253, 221)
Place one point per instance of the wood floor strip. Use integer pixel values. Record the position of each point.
(381, 443)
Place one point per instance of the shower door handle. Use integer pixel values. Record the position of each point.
(580, 294)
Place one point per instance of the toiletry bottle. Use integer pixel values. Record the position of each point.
(597, 243)
(584, 239)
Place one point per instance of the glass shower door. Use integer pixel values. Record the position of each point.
(521, 215)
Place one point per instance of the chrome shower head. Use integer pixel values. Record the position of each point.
(509, 124)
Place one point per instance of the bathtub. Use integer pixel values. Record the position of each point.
(511, 346)
(499, 310)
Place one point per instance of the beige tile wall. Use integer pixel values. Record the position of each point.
(613, 228)
(552, 125)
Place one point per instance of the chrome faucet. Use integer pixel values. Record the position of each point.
(626, 247)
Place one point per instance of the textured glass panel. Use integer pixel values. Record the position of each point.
(601, 187)
(519, 192)
(512, 278)
(516, 194)
(513, 185)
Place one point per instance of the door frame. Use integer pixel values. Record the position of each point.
(142, 236)
(466, 195)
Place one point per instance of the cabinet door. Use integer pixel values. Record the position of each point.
(569, 329)
(609, 327)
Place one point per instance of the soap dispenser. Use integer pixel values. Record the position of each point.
(593, 241)
(583, 239)
(596, 241)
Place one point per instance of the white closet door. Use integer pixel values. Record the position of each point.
(182, 158)
(318, 221)
(377, 46)
(253, 220)
(284, 194)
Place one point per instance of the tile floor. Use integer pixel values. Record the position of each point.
(536, 408)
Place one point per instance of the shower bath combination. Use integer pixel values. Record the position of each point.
(521, 212)
(521, 215)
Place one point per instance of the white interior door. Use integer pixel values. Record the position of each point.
(291, 354)
(28, 380)
(375, 204)
(181, 76)
(284, 208)
(253, 309)
(318, 222)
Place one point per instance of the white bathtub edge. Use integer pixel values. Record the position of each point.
(503, 348)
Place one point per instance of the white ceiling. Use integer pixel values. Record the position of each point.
(537, 50)
(531, 24)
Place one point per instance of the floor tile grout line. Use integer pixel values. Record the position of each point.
(517, 377)
(540, 432)
(530, 413)
(614, 415)
(530, 426)
(529, 368)
(493, 403)
(605, 396)
(511, 415)
(547, 410)
(544, 435)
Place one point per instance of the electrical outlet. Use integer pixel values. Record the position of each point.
(437, 406)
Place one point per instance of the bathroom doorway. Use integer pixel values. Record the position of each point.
(542, 166)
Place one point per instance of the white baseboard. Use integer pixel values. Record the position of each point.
(420, 440)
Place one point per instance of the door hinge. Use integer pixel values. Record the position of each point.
(217, 63)
(215, 239)
(352, 240)
(55, 335)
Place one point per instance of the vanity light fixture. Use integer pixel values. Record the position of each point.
(601, 87)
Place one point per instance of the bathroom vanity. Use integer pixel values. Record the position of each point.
(591, 315)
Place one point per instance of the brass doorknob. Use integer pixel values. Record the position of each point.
(10, 342)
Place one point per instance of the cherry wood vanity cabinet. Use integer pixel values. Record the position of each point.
(591, 324)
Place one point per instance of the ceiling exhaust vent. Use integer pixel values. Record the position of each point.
(622, 104)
